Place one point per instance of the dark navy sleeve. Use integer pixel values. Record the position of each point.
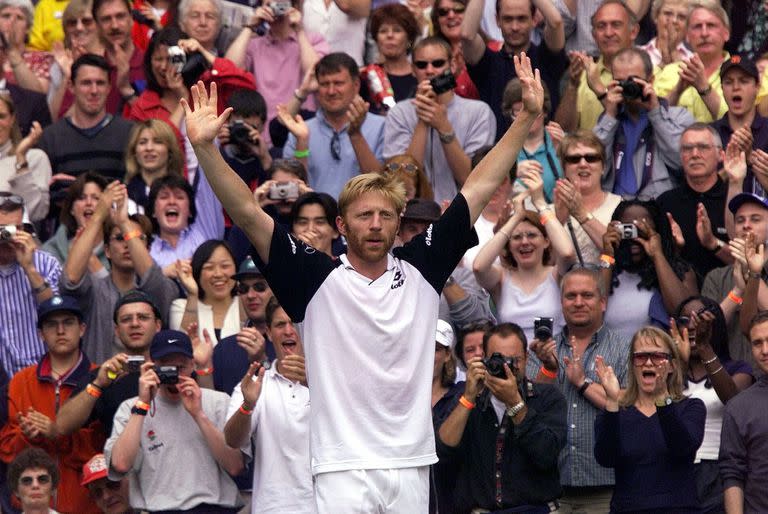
(437, 251)
(295, 271)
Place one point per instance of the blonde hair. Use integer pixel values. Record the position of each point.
(387, 185)
(675, 383)
(175, 165)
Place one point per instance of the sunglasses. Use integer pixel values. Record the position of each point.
(41, 479)
(437, 63)
(657, 358)
(258, 287)
(458, 9)
(96, 491)
(394, 167)
(16, 200)
(589, 157)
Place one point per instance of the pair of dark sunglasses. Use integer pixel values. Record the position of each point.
(41, 479)
(458, 9)
(657, 358)
(437, 63)
(591, 158)
(243, 288)
(394, 167)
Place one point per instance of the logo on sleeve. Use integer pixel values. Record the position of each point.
(428, 239)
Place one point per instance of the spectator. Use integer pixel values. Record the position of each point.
(188, 422)
(469, 343)
(506, 451)
(742, 448)
(492, 70)
(89, 139)
(313, 220)
(158, 14)
(36, 392)
(535, 253)
(343, 139)
(27, 106)
(202, 20)
(650, 435)
(31, 277)
(408, 170)
(77, 209)
(109, 496)
(614, 27)
(369, 215)
(714, 378)
(462, 299)
(668, 46)
(640, 132)
(126, 244)
(99, 394)
(211, 302)
(280, 57)
(46, 27)
(183, 220)
(24, 170)
(268, 419)
(34, 478)
(152, 153)
(342, 24)
(578, 18)
(579, 197)
(394, 29)
(447, 17)
(587, 486)
(740, 82)
(441, 131)
(697, 206)
(28, 68)
(444, 369)
(647, 278)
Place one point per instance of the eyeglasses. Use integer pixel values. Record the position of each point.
(437, 63)
(394, 167)
(589, 157)
(119, 237)
(529, 235)
(41, 479)
(657, 358)
(128, 318)
(336, 147)
(72, 22)
(51, 324)
(701, 147)
(97, 490)
(456, 9)
(243, 288)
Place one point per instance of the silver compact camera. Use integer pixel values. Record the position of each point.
(177, 58)
(628, 230)
(280, 9)
(7, 232)
(284, 191)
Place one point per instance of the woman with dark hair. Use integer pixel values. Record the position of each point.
(447, 16)
(158, 14)
(33, 477)
(647, 279)
(712, 377)
(76, 211)
(535, 251)
(650, 432)
(211, 302)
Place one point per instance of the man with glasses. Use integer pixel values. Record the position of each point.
(505, 434)
(37, 392)
(439, 129)
(698, 204)
(126, 244)
(640, 132)
(29, 277)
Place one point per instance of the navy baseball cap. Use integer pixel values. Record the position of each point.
(58, 304)
(742, 63)
(168, 342)
(247, 269)
(742, 198)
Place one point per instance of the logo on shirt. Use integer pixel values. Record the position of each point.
(293, 245)
(398, 280)
(155, 445)
(428, 239)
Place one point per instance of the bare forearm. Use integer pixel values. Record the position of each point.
(82, 249)
(734, 500)
(25, 77)
(365, 157)
(673, 290)
(237, 430)
(307, 52)
(228, 458)
(418, 145)
(36, 282)
(567, 114)
(452, 429)
(237, 50)
(554, 32)
(712, 101)
(487, 275)
(126, 447)
(639, 7)
(749, 305)
(190, 312)
(458, 161)
(74, 413)
(595, 230)
(355, 8)
(734, 187)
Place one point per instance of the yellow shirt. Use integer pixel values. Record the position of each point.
(47, 27)
(590, 108)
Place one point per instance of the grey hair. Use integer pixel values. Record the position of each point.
(185, 5)
(699, 126)
(25, 5)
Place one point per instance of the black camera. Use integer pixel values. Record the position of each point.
(167, 374)
(631, 90)
(495, 365)
(628, 230)
(443, 82)
(543, 328)
(7, 232)
(139, 18)
(189, 66)
(239, 133)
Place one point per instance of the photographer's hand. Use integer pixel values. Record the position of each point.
(504, 389)
(613, 99)
(148, 382)
(475, 383)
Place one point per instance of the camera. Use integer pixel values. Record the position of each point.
(542, 328)
(177, 57)
(239, 133)
(189, 66)
(631, 90)
(167, 374)
(134, 363)
(7, 232)
(284, 191)
(628, 230)
(495, 365)
(139, 18)
(443, 82)
(280, 9)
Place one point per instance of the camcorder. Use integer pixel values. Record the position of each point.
(443, 83)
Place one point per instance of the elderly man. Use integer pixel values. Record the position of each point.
(110, 497)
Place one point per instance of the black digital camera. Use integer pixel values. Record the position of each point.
(631, 90)
(543, 328)
(239, 133)
(189, 66)
(134, 363)
(167, 374)
(443, 82)
(495, 365)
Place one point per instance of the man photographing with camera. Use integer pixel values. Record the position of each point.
(641, 133)
(501, 407)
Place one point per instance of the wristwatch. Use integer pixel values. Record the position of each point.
(21, 165)
(42, 287)
(447, 138)
(584, 386)
(515, 409)
(664, 402)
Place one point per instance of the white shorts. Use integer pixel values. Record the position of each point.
(373, 491)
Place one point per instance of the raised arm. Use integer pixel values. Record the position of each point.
(354, 8)
(487, 273)
(202, 127)
(486, 178)
(554, 28)
(472, 45)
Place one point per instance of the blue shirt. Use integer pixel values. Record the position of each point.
(546, 155)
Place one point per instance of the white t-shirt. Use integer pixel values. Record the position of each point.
(710, 446)
(344, 33)
(370, 344)
(484, 228)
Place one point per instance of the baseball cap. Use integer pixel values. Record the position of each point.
(135, 296)
(94, 469)
(422, 210)
(247, 269)
(168, 342)
(744, 64)
(58, 304)
(742, 198)
(444, 333)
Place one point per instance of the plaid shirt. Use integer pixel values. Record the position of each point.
(578, 467)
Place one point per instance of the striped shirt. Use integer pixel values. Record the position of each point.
(20, 344)
(578, 467)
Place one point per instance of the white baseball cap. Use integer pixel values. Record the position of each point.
(444, 333)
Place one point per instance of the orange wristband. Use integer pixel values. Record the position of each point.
(551, 374)
(204, 372)
(244, 410)
(738, 300)
(133, 233)
(544, 219)
(141, 405)
(93, 390)
(607, 258)
(466, 403)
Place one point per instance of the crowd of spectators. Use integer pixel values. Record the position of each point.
(202, 309)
